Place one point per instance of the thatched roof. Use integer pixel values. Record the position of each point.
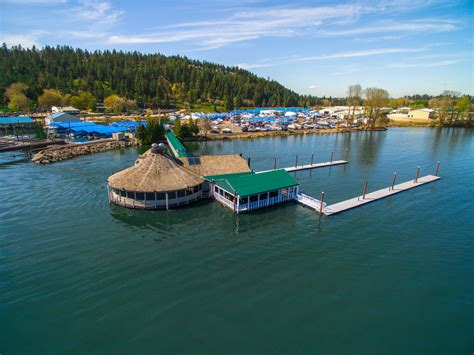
(154, 172)
(216, 164)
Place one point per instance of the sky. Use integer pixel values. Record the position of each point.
(310, 46)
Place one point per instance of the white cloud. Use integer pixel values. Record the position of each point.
(94, 10)
(25, 40)
(246, 25)
(243, 26)
(419, 26)
(362, 53)
(253, 66)
(424, 64)
(312, 87)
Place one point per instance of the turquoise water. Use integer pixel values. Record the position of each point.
(395, 276)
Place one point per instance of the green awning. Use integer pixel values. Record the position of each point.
(246, 184)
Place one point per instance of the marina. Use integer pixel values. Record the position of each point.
(187, 263)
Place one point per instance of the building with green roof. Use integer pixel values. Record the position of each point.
(249, 191)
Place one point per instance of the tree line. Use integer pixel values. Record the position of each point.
(451, 108)
(83, 77)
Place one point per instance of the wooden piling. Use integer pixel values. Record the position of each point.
(437, 168)
(274, 163)
(322, 202)
(248, 161)
(296, 161)
(393, 181)
(312, 156)
(332, 155)
(365, 189)
(417, 174)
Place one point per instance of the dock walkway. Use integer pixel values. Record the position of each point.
(376, 195)
(309, 166)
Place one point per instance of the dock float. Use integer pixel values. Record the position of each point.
(376, 195)
(309, 166)
(29, 144)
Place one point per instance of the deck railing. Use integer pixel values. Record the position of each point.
(309, 201)
(225, 201)
(265, 202)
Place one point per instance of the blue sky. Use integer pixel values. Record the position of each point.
(312, 47)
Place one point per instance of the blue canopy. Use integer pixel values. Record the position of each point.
(15, 120)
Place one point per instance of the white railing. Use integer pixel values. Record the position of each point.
(309, 201)
(265, 202)
(223, 200)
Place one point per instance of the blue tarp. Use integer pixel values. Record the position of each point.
(97, 129)
(15, 120)
(85, 128)
(71, 124)
(129, 124)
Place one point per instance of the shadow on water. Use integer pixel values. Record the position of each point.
(369, 147)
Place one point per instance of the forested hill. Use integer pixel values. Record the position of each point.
(152, 80)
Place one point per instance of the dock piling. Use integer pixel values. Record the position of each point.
(437, 168)
(248, 161)
(296, 161)
(322, 202)
(312, 156)
(393, 181)
(417, 174)
(365, 190)
(332, 155)
(274, 163)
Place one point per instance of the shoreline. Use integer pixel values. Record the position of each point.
(254, 135)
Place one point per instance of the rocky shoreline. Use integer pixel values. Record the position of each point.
(56, 153)
(252, 135)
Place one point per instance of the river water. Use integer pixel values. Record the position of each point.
(395, 276)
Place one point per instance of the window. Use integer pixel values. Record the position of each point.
(181, 193)
(130, 194)
(263, 196)
(196, 188)
(189, 191)
(273, 194)
(150, 196)
(161, 196)
(253, 198)
(216, 189)
(123, 193)
(139, 196)
(243, 200)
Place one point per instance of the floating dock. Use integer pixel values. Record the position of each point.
(9, 145)
(292, 169)
(376, 195)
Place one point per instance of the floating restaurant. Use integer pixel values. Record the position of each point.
(162, 180)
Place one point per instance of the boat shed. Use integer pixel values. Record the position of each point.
(249, 191)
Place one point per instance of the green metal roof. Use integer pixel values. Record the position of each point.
(177, 145)
(225, 176)
(246, 184)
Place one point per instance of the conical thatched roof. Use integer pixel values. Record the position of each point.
(154, 172)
